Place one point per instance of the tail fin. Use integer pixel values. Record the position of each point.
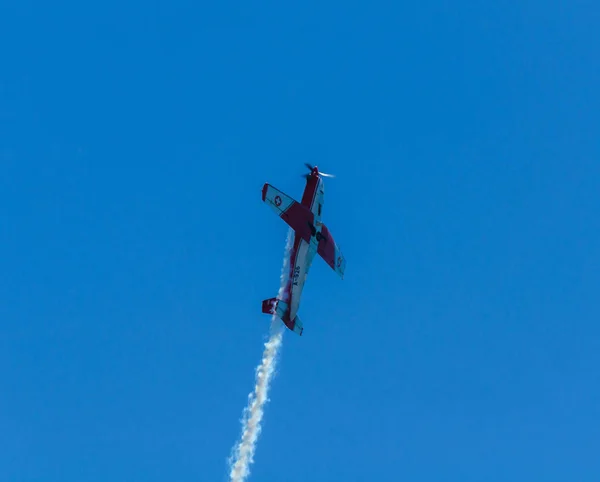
(269, 306)
(273, 306)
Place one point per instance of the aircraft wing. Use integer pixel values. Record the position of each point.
(331, 253)
(298, 217)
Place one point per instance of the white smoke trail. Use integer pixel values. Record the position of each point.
(243, 452)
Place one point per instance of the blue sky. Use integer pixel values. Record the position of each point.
(463, 343)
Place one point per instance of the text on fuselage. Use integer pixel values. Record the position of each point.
(296, 275)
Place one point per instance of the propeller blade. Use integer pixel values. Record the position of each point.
(310, 168)
(324, 174)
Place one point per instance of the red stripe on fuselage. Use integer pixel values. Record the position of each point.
(287, 294)
(308, 198)
(310, 191)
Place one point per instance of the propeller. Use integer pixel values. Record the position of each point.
(310, 168)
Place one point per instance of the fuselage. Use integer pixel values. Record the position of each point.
(302, 252)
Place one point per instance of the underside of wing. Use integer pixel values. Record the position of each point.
(330, 252)
(298, 217)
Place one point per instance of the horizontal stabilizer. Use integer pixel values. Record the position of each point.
(297, 326)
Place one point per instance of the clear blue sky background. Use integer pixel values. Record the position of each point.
(464, 343)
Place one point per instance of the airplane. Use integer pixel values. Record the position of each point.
(311, 237)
